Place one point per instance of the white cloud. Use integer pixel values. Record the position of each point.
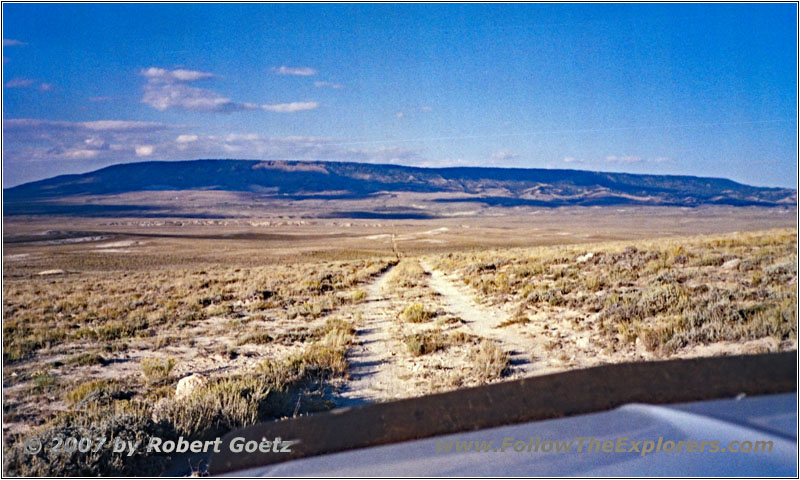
(27, 82)
(186, 138)
(290, 107)
(572, 160)
(19, 83)
(238, 137)
(168, 89)
(8, 42)
(167, 96)
(300, 71)
(399, 114)
(95, 142)
(504, 155)
(183, 141)
(99, 99)
(144, 150)
(328, 84)
(426, 108)
(121, 125)
(155, 74)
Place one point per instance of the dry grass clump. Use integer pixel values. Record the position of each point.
(434, 340)
(406, 275)
(425, 342)
(518, 318)
(257, 337)
(293, 336)
(358, 295)
(221, 405)
(43, 381)
(95, 391)
(327, 356)
(113, 330)
(23, 337)
(488, 361)
(157, 369)
(86, 359)
(417, 313)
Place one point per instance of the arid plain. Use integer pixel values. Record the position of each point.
(282, 314)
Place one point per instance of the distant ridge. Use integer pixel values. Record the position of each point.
(299, 180)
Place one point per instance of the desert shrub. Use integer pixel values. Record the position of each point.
(778, 321)
(594, 283)
(709, 259)
(21, 349)
(296, 335)
(43, 381)
(518, 318)
(266, 393)
(780, 273)
(551, 296)
(256, 338)
(157, 369)
(501, 283)
(327, 356)
(321, 359)
(459, 338)
(337, 325)
(113, 330)
(85, 359)
(712, 317)
(407, 274)
(358, 295)
(657, 334)
(416, 313)
(221, 405)
(488, 360)
(164, 340)
(22, 342)
(125, 422)
(425, 342)
(312, 309)
(95, 391)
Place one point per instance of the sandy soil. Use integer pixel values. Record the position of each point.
(374, 373)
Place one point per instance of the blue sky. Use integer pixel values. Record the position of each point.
(705, 90)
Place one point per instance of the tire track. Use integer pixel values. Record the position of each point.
(373, 369)
(480, 320)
